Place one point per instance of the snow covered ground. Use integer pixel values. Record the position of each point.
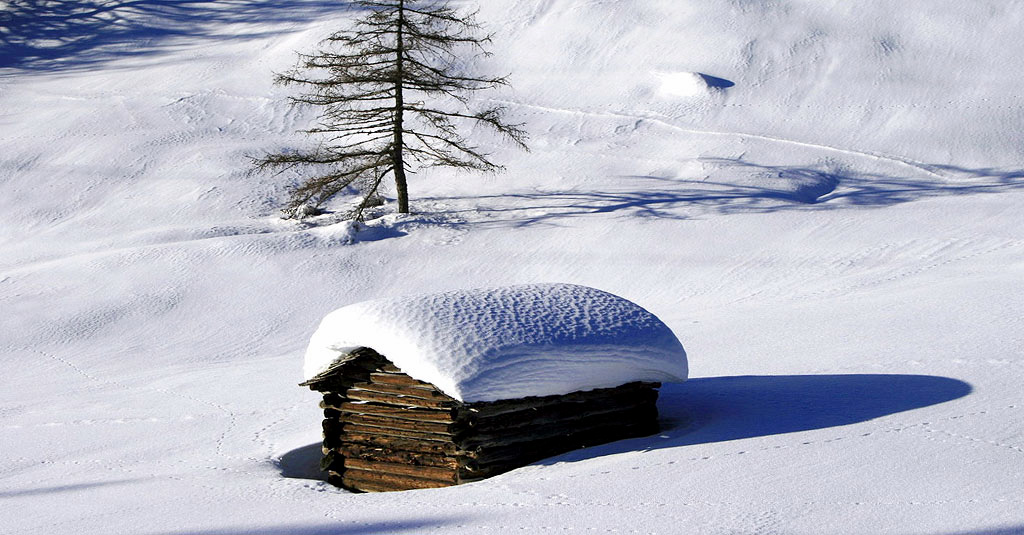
(822, 199)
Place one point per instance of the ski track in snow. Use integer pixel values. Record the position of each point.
(907, 162)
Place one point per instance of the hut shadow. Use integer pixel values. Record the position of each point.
(302, 463)
(719, 409)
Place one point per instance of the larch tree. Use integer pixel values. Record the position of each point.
(392, 93)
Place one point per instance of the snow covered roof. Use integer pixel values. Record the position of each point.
(509, 342)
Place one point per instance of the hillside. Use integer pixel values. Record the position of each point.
(822, 199)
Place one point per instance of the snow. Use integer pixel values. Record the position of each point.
(683, 84)
(508, 342)
(837, 237)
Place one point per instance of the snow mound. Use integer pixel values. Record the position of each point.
(509, 342)
(688, 84)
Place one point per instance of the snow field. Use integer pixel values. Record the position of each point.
(836, 238)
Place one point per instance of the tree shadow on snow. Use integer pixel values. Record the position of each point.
(718, 409)
(780, 188)
(60, 35)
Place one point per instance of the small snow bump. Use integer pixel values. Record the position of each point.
(689, 84)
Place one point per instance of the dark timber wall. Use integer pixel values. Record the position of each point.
(384, 430)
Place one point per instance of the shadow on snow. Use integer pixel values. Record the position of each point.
(71, 487)
(303, 463)
(788, 188)
(342, 528)
(1005, 530)
(60, 35)
(718, 409)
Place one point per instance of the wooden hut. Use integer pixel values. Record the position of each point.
(384, 430)
(443, 389)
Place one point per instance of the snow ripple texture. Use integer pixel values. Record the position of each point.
(509, 342)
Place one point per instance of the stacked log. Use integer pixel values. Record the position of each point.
(384, 430)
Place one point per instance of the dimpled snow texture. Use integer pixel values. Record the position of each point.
(511, 342)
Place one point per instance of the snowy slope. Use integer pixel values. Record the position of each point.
(820, 198)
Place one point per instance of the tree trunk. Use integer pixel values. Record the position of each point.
(397, 159)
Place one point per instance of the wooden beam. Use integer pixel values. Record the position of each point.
(399, 379)
(375, 481)
(364, 395)
(433, 473)
(404, 413)
(357, 429)
(386, 422)
(401, 391)
(371, 453)
(401, 444)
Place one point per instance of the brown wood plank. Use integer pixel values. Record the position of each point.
(393, 423)
(405, 413)
(364, 395)
(401, 391)
(357, 429)
(386, 455)
(388, 367)
(398, 379)
(365, 480)
(402, 444)
(433, 473)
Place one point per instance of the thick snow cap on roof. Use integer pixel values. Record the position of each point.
(510, 342)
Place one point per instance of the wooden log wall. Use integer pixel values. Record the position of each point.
(384, 430)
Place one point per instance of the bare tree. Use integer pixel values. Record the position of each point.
(393, 93)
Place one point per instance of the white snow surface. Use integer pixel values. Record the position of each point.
(833, 227)
(508, 342)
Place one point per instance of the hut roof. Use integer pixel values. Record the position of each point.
(510, 342)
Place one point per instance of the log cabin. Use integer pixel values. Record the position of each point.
(462, 410)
